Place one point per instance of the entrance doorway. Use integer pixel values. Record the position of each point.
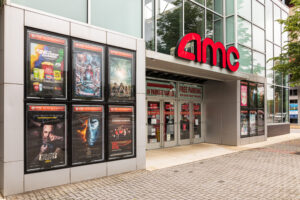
(173, 113)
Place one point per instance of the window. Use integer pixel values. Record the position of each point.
(78, 10)
(150, 24)
(127, 20)
(244, 9)
(277, 26)
(258, 64)
(169, 25)
(258, 39)
(244, 32)
(258, 14)
(269, 20)
(245, 59)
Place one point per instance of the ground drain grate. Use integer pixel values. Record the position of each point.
(221, 181)
(297, 153)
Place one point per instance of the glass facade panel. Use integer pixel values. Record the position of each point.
(150, 24)
(258, 64)
(194, 19)
(78, 10)
(278, 76)
(229, 7)
(127, 20)
(230, 30)
(269, 20)
(244, 32)
(245, 59)
(284, 35)
(278, 115)
(277, 26)
(258, 14)
(216, 5)
(270, 103)
(285, 110)
(258, 39)
(244, 9)
(214, 27)
(269, 64)
(201, 1)
(169, 25)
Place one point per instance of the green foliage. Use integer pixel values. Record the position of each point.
(288, 62)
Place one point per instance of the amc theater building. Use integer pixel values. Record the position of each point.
(88, 86)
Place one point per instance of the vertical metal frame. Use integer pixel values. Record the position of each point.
(89, 13)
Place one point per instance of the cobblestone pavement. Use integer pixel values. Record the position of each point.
(272, 172)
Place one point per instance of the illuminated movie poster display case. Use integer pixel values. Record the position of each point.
(87, 134)
(74, 102)
(45, 137)
(46, 65)
(121, 132)
(252, 109)
(88, 70)
(121, 73)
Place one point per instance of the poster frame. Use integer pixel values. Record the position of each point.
(133, 75)
(71, 134)
(67, 153)
(133, 155)
(72, 71)
(27, 43)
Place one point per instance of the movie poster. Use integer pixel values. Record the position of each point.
(121, 74)
(253, 123)
(87, 134)
(261, 122)
(244, 95)
(252, 95)
(261, 96)
(45, 137)
(46, 65)
(87, 70)
(185, 121)
(197, 119)
(244, 123)
(121, 132)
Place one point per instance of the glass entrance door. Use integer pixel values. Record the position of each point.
(169, 136)
(153, 125)
(184, 123)
(196, 115)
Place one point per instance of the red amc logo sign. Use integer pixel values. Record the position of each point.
(201, 51)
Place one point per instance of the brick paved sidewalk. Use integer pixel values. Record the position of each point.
(272, 172)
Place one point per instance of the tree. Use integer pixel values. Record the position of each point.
(288, 62)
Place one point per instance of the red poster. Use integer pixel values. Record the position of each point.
(244, 95)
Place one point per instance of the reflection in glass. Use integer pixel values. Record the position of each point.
(244, 8)
(269, 64)
(245, 59)
(269, 20)
(197, 119)
(230, 35)
(229, 7)
(149, 24)
(194, 19)
(244, 32)
(244, 123)
(216, 5)
(260, 122)
(258, 39)
(253, 122)
(270, 103)
(153, 121)
(169, 119)
(185, 121)
(278, 75)
(214, 27)
(169, 25)
(284, 34)
(277, 26)
(258, 64)
(258, 14)
(285, 111)
(278, 105)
